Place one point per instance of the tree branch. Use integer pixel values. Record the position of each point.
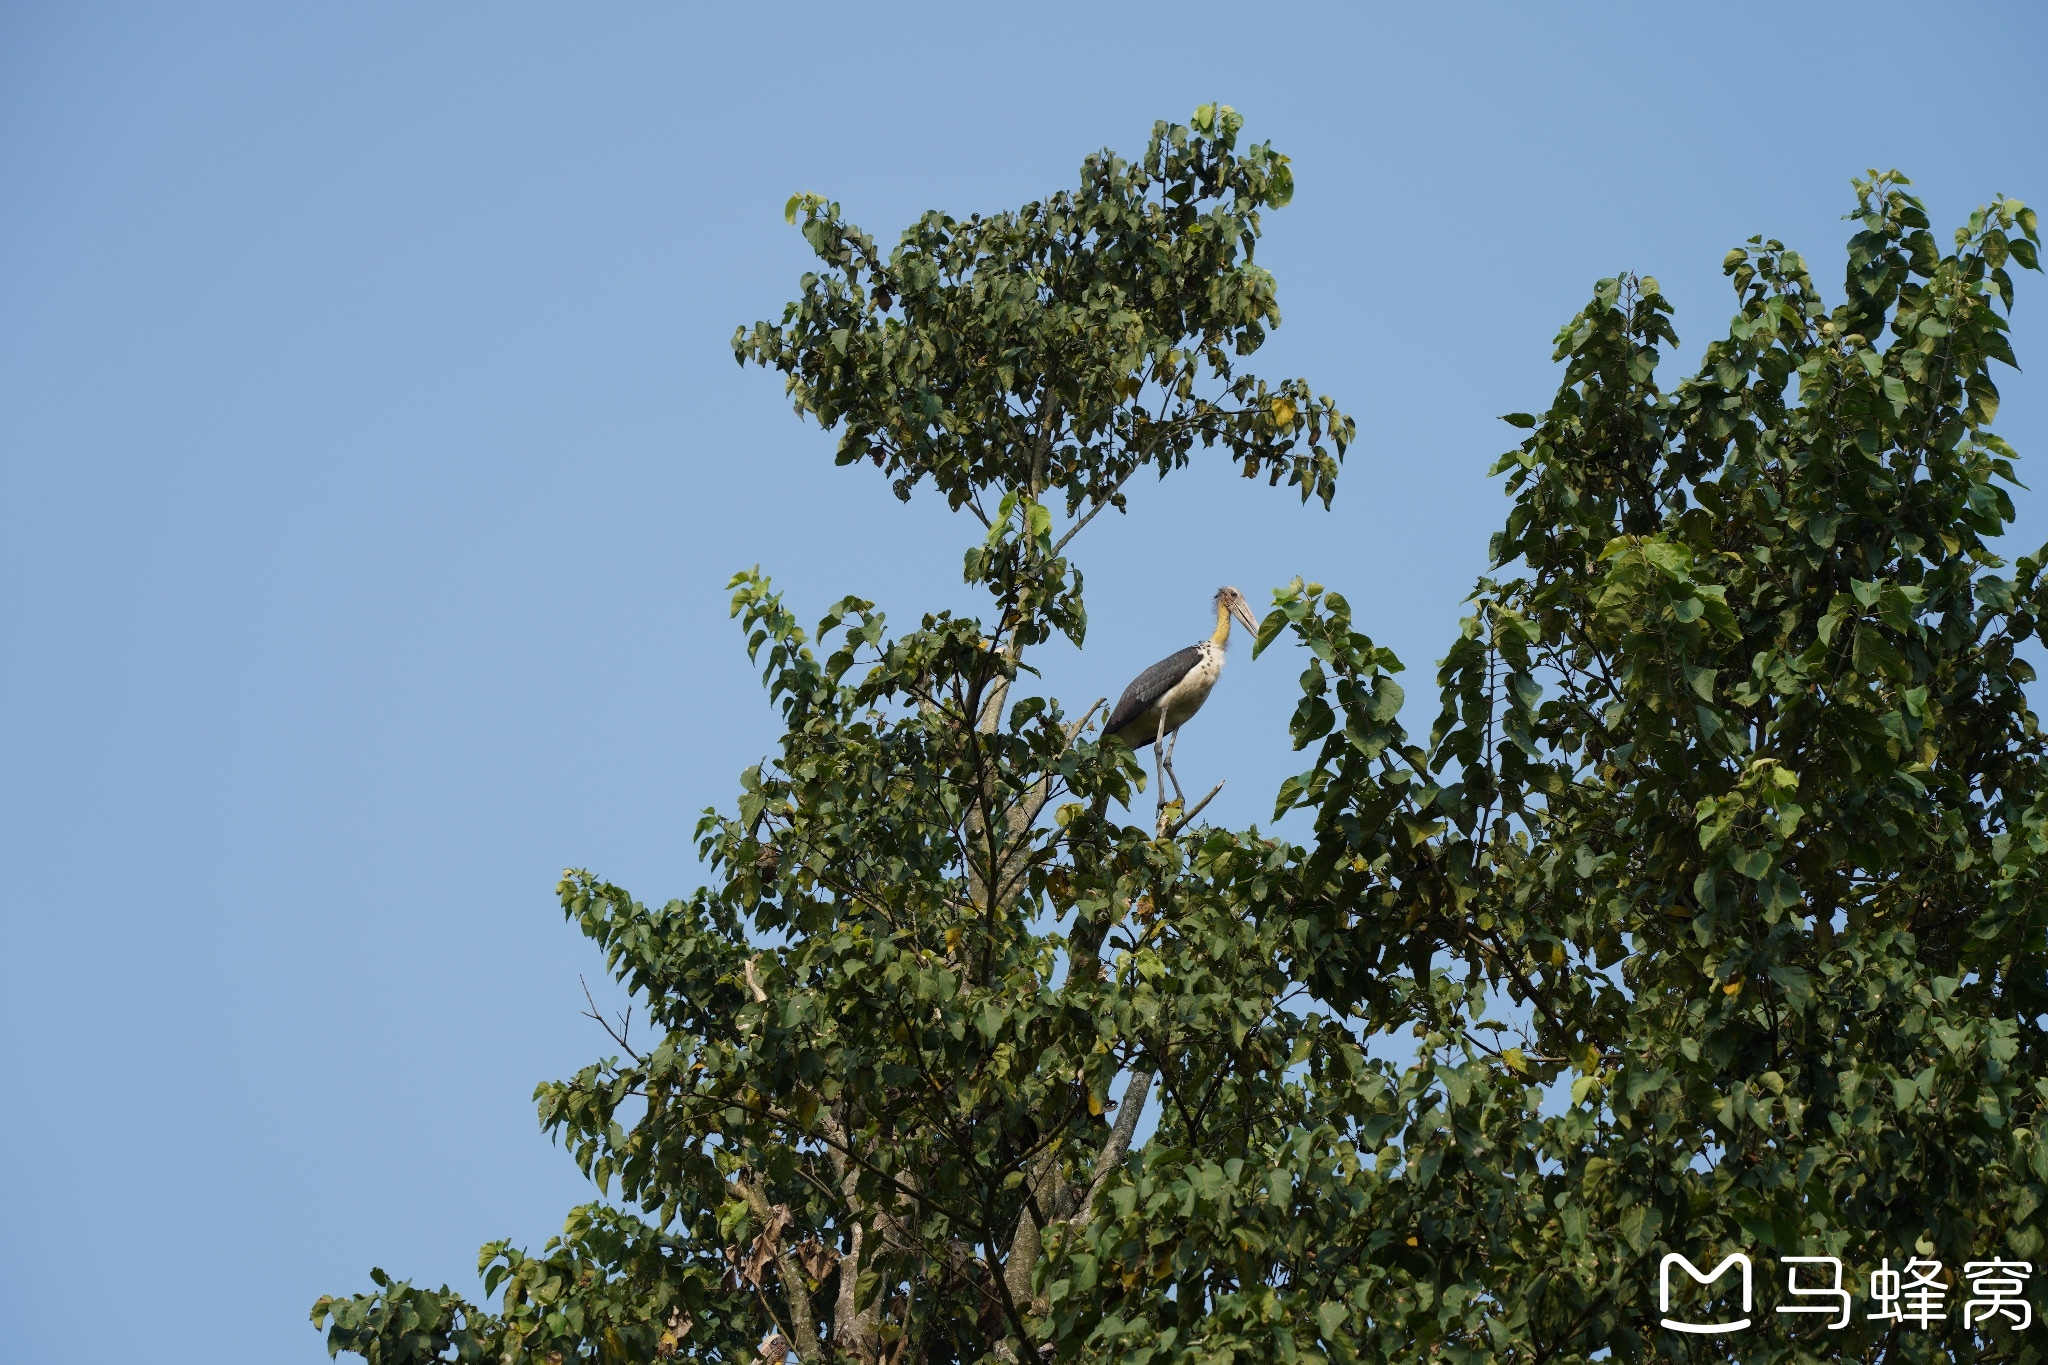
(795, 1292)
(618, 1034)
(1112, 1154)
(1177, 826)
(1101, 502)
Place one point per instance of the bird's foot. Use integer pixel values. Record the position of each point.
(1169, 815)
(1176, 815)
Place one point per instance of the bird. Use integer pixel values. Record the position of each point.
(1162, 698)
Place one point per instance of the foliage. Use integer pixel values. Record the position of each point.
(1733, 808)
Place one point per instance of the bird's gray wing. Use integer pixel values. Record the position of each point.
(1147, 688)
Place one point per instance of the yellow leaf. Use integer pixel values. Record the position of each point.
(1283, 412)
(1094, 1103)
(1733, 988)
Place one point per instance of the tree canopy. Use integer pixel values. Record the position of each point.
(1708, 917)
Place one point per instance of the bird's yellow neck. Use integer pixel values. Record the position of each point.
(1222, 635)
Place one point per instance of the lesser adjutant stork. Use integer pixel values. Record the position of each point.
(1160, 700)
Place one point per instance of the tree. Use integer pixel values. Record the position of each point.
(1734, 809)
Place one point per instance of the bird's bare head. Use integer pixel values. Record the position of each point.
(1230, 602)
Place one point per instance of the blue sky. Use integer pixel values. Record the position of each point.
(375, 460)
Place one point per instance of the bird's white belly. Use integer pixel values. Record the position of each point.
(1185, 697)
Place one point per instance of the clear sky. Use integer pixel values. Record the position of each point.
(374, 459)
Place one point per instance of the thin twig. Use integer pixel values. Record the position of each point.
(1078, 726)
(1177, 826)
(626, 1021)
(916, 1196)
(1105, 500)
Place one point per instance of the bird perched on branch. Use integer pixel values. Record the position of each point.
(1160, 700)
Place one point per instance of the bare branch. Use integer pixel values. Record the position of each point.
(625, 1022)
(1182, 823)
(1105, 500)
(1078, 726)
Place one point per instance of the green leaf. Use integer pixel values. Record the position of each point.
(1876, 656)
(1269, 631)
(1779, 892)
(1750, 862)
(1639, 1224)
(1796, 984)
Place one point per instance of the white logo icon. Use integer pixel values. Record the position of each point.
(1664, 1291)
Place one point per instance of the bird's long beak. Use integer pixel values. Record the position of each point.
(1243, 613)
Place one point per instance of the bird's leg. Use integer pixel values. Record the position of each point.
(1167, 763)
(1159, 760)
